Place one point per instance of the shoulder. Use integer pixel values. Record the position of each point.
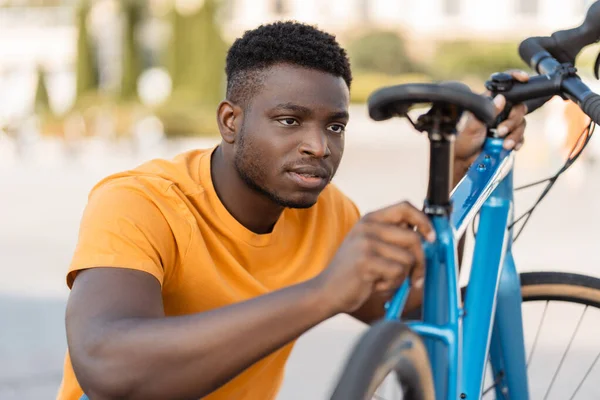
(158, 175)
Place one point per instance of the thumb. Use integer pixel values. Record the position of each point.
(499, 103)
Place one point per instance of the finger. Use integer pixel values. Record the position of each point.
(516, 138)
(387, 288)
(388, 240)
(398, 238)
(417, 275)
(400, 255)
(515, 118)
(519, 75)
(499, 103)
(387, 273)
(404, 213)
(417, 279)
(519, 145)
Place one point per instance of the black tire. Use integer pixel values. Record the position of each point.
(561, 286)
(386, 347)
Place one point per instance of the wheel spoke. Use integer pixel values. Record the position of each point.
(537, 334)
(585, 376)
(496, 382)
(565, 353)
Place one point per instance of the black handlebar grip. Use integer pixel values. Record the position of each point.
(568, 43)
(533, 49)
(563, 45)
(591, 106)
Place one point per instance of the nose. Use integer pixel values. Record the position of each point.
(315, 144)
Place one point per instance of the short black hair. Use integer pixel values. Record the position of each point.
(281, 42)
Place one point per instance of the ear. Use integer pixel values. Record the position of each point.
(229, 119)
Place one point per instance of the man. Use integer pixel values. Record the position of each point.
(192, 278)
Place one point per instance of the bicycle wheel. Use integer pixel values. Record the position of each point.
(561, 318)
(389, 347)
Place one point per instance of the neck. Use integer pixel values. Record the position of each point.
(250, 208)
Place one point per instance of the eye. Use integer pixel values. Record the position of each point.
(337, 128)
(288, 122)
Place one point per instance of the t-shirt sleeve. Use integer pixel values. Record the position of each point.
(121, 227)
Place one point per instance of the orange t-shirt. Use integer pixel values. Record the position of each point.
(166, 219)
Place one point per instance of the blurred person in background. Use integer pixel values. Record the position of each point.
(193, 277)
(576, 121)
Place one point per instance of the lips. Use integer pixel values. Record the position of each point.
(309, 177)
(310, 171)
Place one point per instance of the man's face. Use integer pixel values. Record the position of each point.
(292, 137)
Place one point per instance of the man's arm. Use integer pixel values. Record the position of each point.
(122, 346)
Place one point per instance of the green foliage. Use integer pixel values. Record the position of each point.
(197, 56)
(131, 58)
(85, 69)
(196, 63)
(49, 123)
(460, 59)
(366, 83)
(380, 52)
(41, 104)
(182, 118)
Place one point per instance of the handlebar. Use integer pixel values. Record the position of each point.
(553, 57)
(563, 46)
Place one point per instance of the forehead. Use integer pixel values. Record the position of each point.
(307, 87)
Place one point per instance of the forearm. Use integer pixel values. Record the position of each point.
(190, 356)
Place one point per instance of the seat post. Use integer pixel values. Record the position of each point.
(441, 152)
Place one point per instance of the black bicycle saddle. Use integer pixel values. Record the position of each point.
(393, 101)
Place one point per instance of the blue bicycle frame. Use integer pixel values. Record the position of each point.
(460, 337)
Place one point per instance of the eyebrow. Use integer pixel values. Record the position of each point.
(340, 115)
(308, 111)
(292, 107)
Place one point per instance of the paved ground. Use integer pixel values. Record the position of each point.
(42, 198)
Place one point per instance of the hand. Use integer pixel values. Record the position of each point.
(376, 257)
(471, 138)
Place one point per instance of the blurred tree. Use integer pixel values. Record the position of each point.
(196, 63)
(459, 59)
(49, 123)
(381, 52)
(197, 58)
(131, 57)
(86, 71)
(41, 103)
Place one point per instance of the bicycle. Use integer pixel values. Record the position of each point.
(430, 357)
